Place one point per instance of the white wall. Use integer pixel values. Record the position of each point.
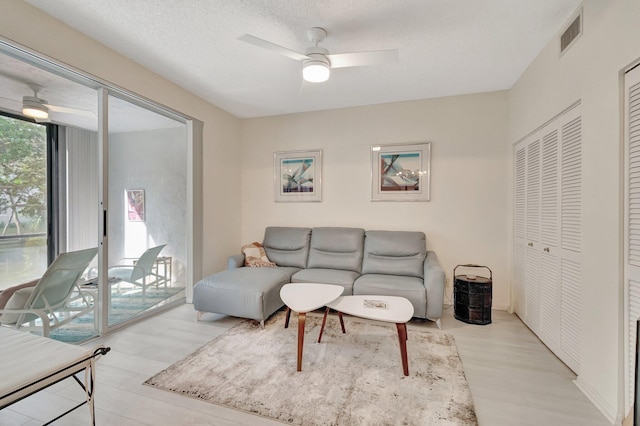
(221, 155)
(155, 161)
(590, 71)
(466, 220)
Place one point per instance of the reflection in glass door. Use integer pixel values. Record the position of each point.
(147, 204)
(23, 201)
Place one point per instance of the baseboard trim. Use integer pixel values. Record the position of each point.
(611, 413)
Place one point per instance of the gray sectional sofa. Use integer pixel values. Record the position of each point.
(392, 263)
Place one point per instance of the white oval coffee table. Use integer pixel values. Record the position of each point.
(380, 308)
(303, 298)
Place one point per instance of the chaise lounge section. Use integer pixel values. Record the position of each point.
(394, 263)
(255, 292)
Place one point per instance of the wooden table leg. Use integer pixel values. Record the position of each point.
(324, 321)
(302, 316)
(286, 317)
(341, 322)
(402, 338)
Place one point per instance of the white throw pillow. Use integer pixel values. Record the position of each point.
(16, 301)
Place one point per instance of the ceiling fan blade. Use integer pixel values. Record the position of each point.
(273, 47)
(77, 111)
(358, 59)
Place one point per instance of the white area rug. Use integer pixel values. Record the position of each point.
(348, 379)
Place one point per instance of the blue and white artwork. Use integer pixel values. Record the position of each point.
(400, 171)
(297, 175)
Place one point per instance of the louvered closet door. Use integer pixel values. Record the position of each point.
(547, 231)
(533, 258)
(571, 239)
(550, 297)
(632, 225)
(519, 229)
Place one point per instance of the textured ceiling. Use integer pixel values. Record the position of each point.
(447, 47)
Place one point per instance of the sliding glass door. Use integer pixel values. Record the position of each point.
(147, 209)
(105, 169)
(77, 220)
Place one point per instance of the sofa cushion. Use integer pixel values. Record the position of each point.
(327, 276)
(251, 279)
(289, 270)
(411, 288)
(287, 246)
(336, 248)
(6, 294)
(394, 253)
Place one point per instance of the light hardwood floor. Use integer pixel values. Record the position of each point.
(514, 378)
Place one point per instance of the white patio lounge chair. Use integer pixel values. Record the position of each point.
(141, 272)
(48, 300)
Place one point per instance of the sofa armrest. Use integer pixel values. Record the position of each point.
(434, 282)
(235, 261)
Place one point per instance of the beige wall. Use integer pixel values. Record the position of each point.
(466, 220)
(590, 71)
(221, 130)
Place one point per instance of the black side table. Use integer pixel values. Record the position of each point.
(472, 296)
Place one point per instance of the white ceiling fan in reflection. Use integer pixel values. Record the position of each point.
(317, 62)
(38, 108)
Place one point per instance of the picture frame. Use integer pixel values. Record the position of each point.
(401, 172)
(297, 176)
(135, 205)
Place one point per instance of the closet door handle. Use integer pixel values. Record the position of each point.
(546, 249)
(530, 244)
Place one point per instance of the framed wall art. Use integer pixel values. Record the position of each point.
(401, 172)
(297, 176)
(135, 205)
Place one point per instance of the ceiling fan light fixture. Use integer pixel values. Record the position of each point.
(35, 110)
(316, 71)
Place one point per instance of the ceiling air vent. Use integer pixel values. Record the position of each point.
(572, 32)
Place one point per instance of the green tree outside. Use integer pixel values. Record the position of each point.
(23, 178)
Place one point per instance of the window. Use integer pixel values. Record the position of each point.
(24, 199)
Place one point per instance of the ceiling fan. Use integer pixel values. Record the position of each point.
(317, 62)
(38, 108)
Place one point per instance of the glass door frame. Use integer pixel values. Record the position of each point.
(106, 206)
(194, 168)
